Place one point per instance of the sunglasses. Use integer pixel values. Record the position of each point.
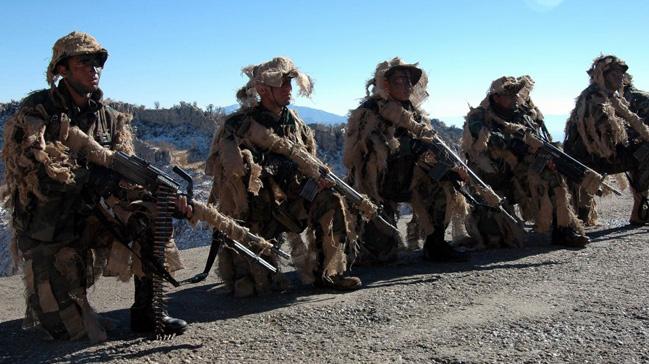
(94, 60)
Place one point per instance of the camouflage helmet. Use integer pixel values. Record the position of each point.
(73, 44)
(508, 85)
(603, 64)
(272, 73)
(418, 78)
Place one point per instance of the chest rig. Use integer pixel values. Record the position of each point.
(97, 124)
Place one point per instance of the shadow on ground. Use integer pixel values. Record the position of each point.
(209, 302)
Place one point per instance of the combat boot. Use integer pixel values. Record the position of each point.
(142, 315)
(567, 236)
(640, 211)
(339, 282)
(436, 249)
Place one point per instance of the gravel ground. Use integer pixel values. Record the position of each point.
(538, 304)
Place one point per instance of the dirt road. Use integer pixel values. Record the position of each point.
(538, 304)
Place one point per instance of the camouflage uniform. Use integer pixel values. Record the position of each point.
(52, 193)
(382, 164)
(607, 132)
(638, 99)
(261, 162)
(502, 153)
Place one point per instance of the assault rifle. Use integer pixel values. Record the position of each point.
(311, 189)
(572, 169)
(445, 160)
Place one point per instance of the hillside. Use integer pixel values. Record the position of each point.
(308, 114)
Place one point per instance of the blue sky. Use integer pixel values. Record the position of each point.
(169, 51)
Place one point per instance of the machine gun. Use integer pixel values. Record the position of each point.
(571, 168)
(165, 189)
(141, 172)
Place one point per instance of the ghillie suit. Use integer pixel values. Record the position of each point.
(383, 165)
(500, 152)
(261, 163)
(607, 131)
(52, 192)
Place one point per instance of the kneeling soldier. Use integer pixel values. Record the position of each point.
(60, 240)
(263, 159)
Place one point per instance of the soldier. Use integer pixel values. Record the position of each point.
(58, 237)
(384, 164)
(499, 144)
(638, 99)
(607, 132)
(263, 159)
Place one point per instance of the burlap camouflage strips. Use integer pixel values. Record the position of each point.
(488, 144)
(378, 156)
(259, 162)
(605, 129)
(58, 242)
(272, 73)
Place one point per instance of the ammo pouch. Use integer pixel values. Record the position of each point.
(437, 171)
(281, 168)
(57, 218)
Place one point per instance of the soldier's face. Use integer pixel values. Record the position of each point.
(282, 95)
(506, 101)
(399, 85)
(614, 79)
(82, 73)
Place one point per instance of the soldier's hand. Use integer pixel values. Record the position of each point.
(513, 128)
(533, 142)
(183, 207)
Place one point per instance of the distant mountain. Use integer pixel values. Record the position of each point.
(309, 115)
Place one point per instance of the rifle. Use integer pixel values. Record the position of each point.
(375, 212)
(219, 238)
(446, 159)
(568, 166)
